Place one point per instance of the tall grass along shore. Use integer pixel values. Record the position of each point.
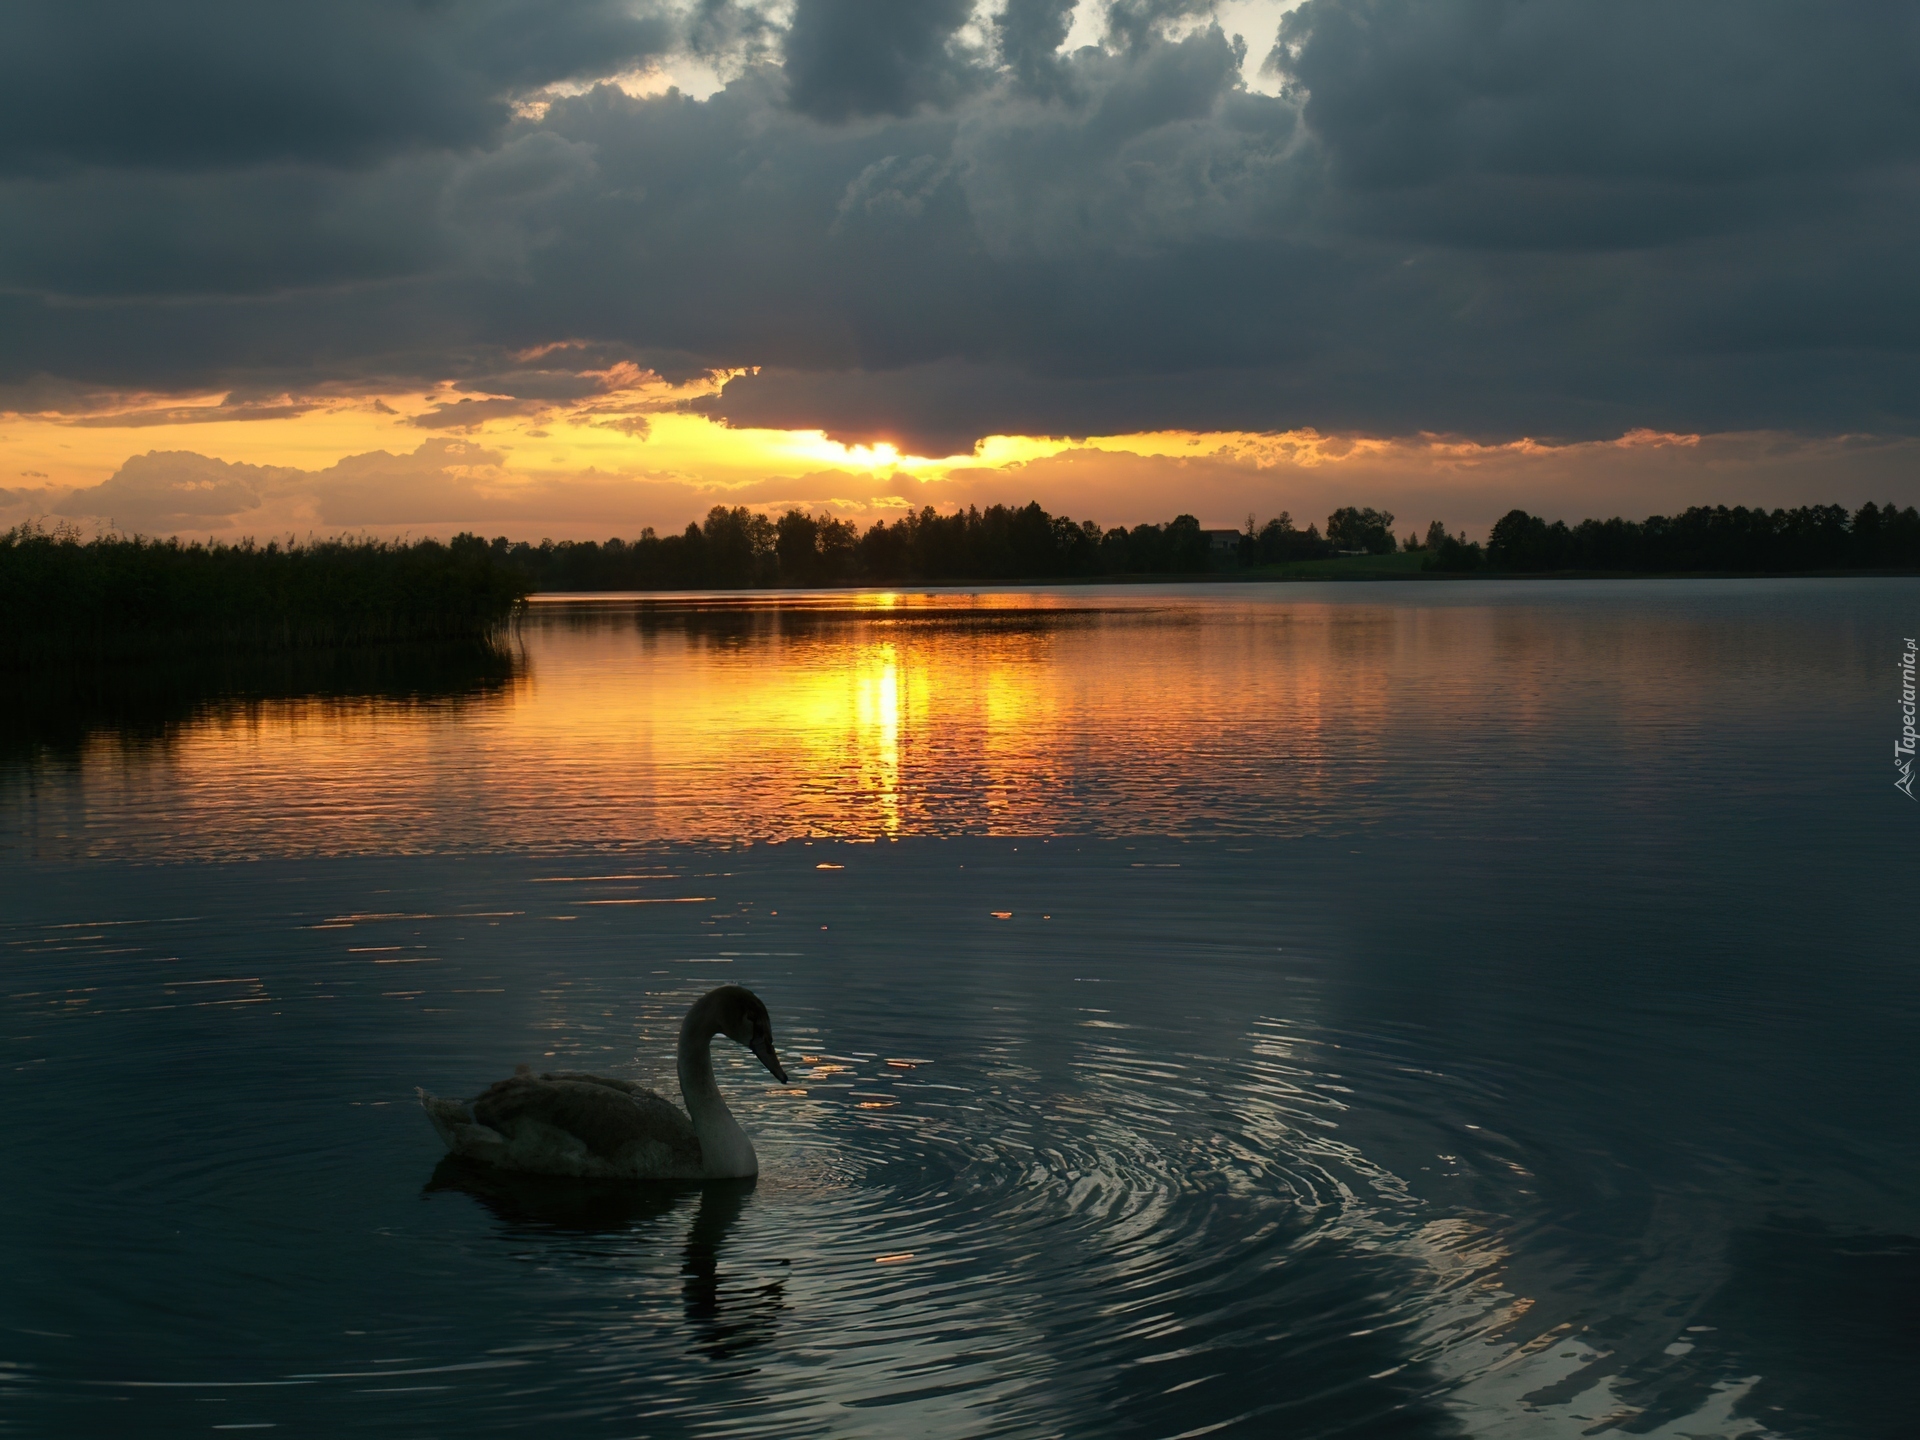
(66, 599)
(59, 710)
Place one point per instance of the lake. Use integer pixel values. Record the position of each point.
(1379, 1010)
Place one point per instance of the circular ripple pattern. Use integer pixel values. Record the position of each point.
(1114, 1246)
(1101, 1233)
(1395, 1012)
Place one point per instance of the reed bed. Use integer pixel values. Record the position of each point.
(58, 711)
(65, 599)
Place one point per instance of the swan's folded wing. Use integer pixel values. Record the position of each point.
(625, 1087)
(603, 1118)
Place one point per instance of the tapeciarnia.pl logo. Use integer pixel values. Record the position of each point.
(1903, 747)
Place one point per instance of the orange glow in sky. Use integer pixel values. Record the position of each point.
(67, 450)
(631, 455)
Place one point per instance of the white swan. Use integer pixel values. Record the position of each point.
(589, 1126)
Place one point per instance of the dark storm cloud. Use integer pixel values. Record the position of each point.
(200, 83)
(1598, 126)
(1030, 34)
(875, 57)
(728, 30)
(1709, 92)
(935, 409)
(1487, 216)
(1135, 24)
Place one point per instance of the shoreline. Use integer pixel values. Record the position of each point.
(1217, 577)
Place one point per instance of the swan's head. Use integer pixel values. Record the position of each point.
(743, 1018)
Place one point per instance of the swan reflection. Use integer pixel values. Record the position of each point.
(726, 1312)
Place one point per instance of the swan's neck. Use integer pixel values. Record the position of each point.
(725, 1151)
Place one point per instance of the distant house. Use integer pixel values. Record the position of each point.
(1222, 544)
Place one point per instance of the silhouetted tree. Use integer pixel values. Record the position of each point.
(1368, 530)
(1519, 541)
(1278, 542)
(739, 546)
(1187, 547)
(836, 540)
(1453, 553)
(796, 543)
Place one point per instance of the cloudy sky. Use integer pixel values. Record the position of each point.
(571, 267)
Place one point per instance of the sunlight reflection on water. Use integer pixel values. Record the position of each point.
(1388, 1010)
(631, 722)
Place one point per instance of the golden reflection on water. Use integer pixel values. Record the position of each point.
(890, 715)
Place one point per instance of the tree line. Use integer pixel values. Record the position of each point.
(1712, 538)
(738, 548)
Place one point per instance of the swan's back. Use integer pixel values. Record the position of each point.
(570, 1124)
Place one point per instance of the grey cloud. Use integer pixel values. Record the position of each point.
(442, 484)
(925, 410)
(208, 83)
(1029, 34)
(937, 408)
(1561, 122)
(1133, 24)
(875, 57)
(727, 31)
(1166, 155)
(175, 490)
(165, 490)
(466, 414)
(264, 230)
(1708, 92)
(435, 484)
(1492, 218)
(551, 385)
(891, 188)
(506, 205)
(636, 426)
(191, 415)
(23, 507)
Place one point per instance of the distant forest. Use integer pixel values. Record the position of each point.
(736, 548)
(1813, 537)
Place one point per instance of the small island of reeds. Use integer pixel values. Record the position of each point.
(64, 598)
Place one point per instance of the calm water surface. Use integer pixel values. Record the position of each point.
(1403, 1010)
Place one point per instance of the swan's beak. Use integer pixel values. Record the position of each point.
(763, 1047)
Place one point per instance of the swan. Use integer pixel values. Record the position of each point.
(566, 1123)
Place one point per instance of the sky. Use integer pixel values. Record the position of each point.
(576, 267)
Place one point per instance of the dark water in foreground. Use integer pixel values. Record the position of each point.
(1391, 1011)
